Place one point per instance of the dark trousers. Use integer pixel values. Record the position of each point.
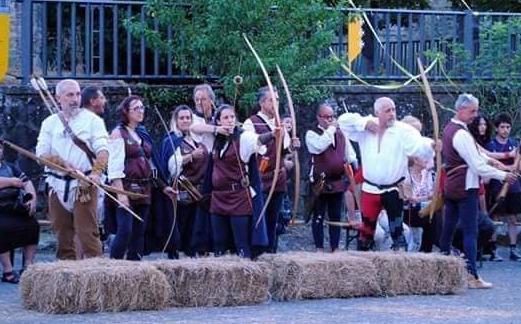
(332, 204)
(130, 234)
(236, 227)
(486, 229)
(466, 211)
(272, 215)
(186, 218)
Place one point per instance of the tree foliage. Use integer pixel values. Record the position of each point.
(207, 41)
(487, 5)
(495, 72)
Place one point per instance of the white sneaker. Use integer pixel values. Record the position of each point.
(478, 283)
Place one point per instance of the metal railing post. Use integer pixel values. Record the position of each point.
(468, 39)
(27, 40)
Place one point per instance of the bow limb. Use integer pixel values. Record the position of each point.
(174, 183)
(278, 139)
(436, 135)
(74, 174)
(293, 136)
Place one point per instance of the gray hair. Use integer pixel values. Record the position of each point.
(263, 92)
(205, 87)
(464, 100)
(60, 86)
(379, 102)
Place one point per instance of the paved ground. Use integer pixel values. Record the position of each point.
(499, 305)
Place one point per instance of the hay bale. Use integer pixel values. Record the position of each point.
(93, 285)
(225, 281)
(309, 275)
(416, 273)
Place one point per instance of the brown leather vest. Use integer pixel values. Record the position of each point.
(230, 196)
(262, 127)
(331, 162)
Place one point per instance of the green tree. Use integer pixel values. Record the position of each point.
(207, 41)
(487, 5)
(496, 70)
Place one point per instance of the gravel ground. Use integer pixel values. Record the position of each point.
(502, 304)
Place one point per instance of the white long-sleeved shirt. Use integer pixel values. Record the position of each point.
(384, 158)
(465, 145)
(53, 140)
(248, 126)
(207, 139)
(317, 144)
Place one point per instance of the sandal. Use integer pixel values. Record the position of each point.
(10, 277)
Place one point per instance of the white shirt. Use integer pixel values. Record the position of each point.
(465, 145)
(248, 126)
(207, 139)
(53, 140)
(386, 163)
(248, 145)
(116, 164)
(317, 144)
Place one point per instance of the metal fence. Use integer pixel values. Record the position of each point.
(86, 39)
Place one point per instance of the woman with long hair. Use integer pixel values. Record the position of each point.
(130, 168)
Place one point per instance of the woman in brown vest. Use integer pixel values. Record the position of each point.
(236, 197)
(189, 163)
(130, 168)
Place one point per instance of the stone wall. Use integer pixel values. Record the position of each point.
(22, 111)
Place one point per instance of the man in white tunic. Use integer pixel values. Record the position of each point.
(385, 145)
(204, 128)
(72, 205)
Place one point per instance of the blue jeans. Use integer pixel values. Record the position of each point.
(467, 210)
(130, 234)
(224, 228)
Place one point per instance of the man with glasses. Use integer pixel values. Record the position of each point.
(330, 153)
(385, 146)
(203, 128)
(464, 165)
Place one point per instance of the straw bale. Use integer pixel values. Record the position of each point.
(225, 281)
(416, 273)
(309, 275)
(93, 285)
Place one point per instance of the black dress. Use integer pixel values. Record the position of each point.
(17, 229)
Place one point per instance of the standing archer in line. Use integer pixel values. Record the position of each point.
(330, 153)
(75, 138)
(263, 122)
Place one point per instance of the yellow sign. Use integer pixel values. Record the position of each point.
(4, 42)
(354, 39)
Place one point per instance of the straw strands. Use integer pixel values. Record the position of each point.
(305, 275)
(93, 285)
(226, 281)
(96, 285)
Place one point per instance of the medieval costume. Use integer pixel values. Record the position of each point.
(233, 183)
(384, 160)
(260, 123)
(330, 152)
(130, 161)
(68, 214)
(193, 172)
(463, 165)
